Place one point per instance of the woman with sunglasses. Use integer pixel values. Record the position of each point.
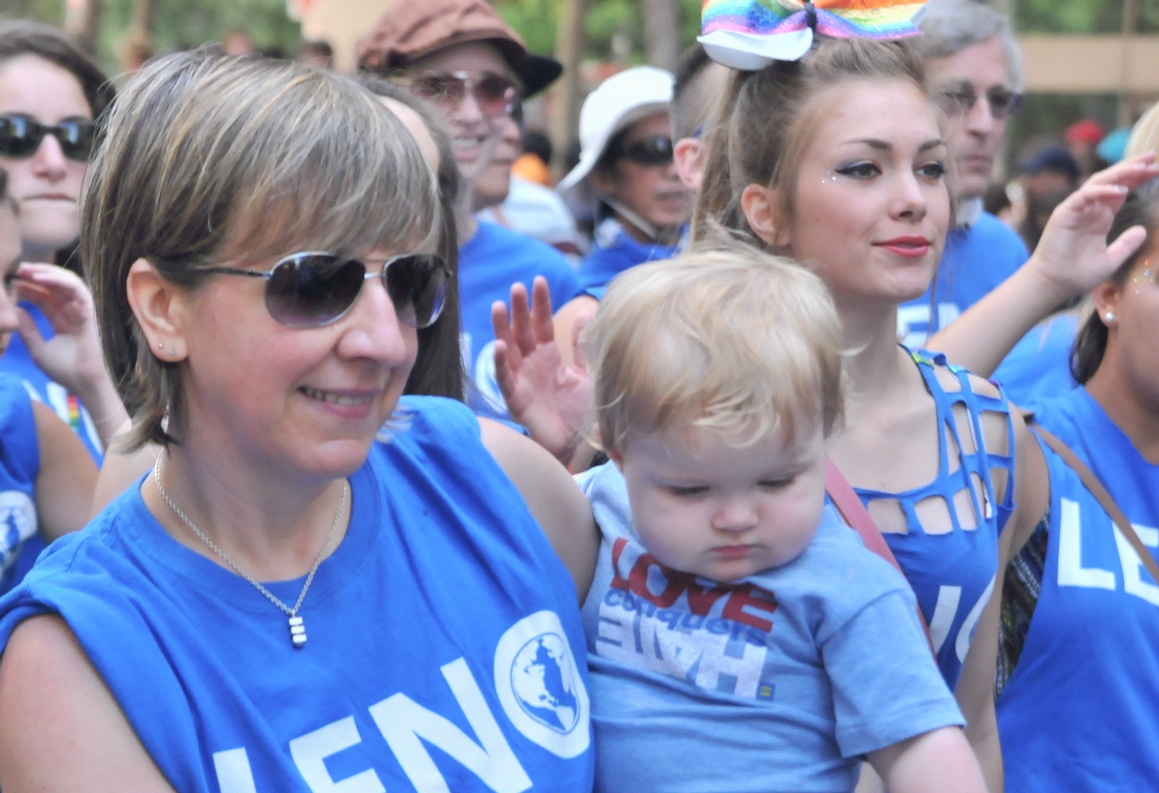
(50, 92)
(317, 584)
(460, 56)
(626, 172)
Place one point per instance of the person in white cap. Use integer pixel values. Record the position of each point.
(626, 172)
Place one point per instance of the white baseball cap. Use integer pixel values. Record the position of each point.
(618, 102)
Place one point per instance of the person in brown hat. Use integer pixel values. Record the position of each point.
(463, 58)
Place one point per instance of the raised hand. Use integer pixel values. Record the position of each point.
(553, 401)
(1073, 256)
(72, 357)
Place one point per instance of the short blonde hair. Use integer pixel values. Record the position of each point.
(738, 341)
(204, 156)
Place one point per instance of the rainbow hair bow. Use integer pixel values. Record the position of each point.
(751, 34)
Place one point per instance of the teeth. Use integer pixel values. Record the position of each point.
(314, 393)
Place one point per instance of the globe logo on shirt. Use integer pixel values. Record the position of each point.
(544, 681)
(17, 524)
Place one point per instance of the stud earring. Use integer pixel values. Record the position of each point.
(160, 345)
(1110, 316)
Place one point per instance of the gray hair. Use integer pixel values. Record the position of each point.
(204, 157)
(950, 26)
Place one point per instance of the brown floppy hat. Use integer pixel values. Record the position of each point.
(413, 29)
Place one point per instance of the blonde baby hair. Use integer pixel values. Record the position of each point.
(738, 341)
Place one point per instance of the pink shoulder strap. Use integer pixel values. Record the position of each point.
(854, 513)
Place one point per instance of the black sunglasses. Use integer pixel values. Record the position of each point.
(309, 290)
(21, 137)
(656, 150)
(959, 101)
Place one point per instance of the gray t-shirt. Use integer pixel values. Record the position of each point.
(778, 682)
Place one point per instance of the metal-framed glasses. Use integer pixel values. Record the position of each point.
(312, 289)
(494, 93)
(958, 100)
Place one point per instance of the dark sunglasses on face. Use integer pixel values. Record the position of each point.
(20, 137)
(309, 289)
(960, 100)
(495, 94)
(656, 150)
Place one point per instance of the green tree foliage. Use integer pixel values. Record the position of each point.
(50, 11)
(537, 22)
(1081, 16)
(179, 24)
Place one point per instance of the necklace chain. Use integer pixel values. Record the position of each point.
(297, 629)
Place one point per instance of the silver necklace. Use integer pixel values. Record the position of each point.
(297, 626)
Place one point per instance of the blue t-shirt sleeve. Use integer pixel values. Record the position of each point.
(19, 443)
(886, 687)
(563, 283)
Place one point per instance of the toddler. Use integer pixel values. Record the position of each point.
(740, 636)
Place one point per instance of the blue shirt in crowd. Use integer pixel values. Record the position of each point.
(19, 468)
(615, 250)
(16, 360)
(1039, 365)
(489, 263)
(444, 652)
(976, 259)
(1078, 714)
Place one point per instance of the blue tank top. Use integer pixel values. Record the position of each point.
(1078, 713)
(445, 648)
(18, 361)
(1081, 423)
(19, 467)
(952, 572)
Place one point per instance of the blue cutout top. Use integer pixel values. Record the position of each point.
(953, 572)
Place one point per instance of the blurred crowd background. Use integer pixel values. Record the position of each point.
(1091, 66)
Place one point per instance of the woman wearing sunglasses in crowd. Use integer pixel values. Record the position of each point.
(312, 567)
(438, 368)
(460, 56)
(866, 206)
(626, 174)
(50, 92)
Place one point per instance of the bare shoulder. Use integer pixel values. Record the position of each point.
(553, 497)
(60, 727)
(983, 387)
(577, 310)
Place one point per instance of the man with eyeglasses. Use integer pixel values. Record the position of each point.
(460, 56)
(973, 70)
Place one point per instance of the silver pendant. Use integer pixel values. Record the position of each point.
(297, 632)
